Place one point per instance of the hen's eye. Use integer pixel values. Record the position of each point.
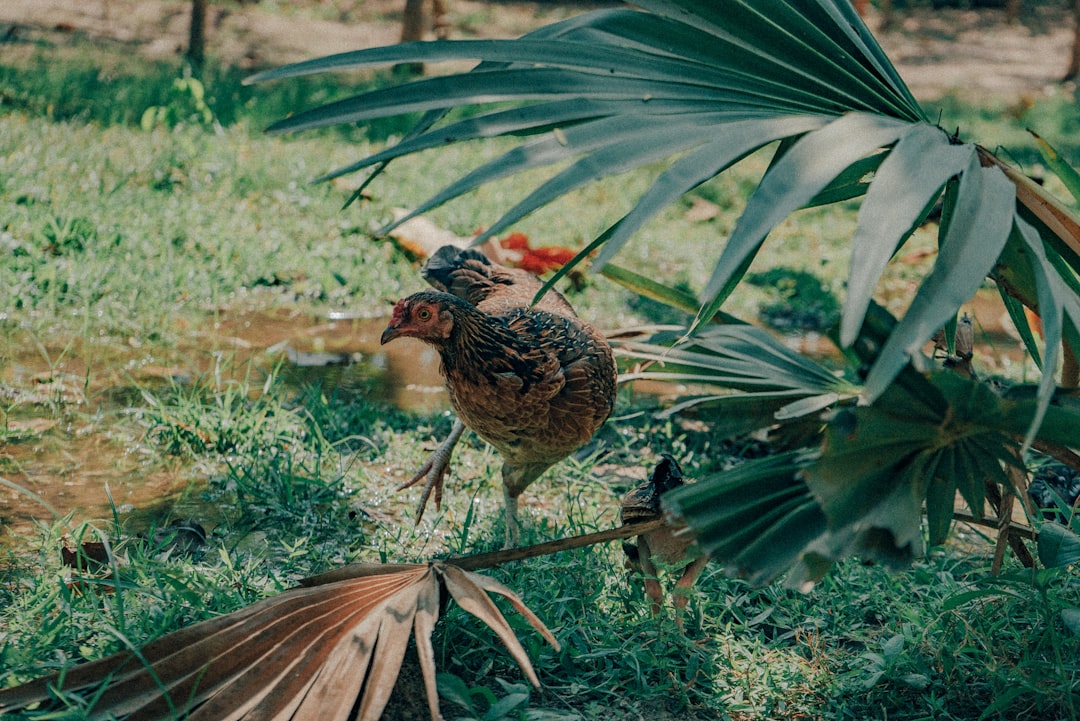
(424, 314)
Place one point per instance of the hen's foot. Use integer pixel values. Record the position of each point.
(434, 471)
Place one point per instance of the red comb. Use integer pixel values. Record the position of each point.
(399, 311)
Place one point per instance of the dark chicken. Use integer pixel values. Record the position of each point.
(664, 545)
(536, 383)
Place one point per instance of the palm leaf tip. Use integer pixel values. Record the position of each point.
(330, 650)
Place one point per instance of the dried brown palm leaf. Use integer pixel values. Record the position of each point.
(323, 652)
(328, 650)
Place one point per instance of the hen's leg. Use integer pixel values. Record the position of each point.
(435, 469)
(515, 479)
(689, 577)
(650, 576)
(681, 592)
(513, 529)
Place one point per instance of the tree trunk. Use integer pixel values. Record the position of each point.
(412, 24)
(1012, 10)
(412, 29)
(440, 18)
(1073, 72)
(196, 52)
(888, 18)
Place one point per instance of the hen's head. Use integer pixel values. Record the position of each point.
(425, 315)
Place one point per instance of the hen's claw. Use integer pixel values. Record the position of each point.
(435, 470)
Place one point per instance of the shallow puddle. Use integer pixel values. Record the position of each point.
(64, 445)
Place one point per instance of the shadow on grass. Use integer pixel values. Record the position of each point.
(84, 86)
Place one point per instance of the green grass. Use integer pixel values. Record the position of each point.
(126, 246)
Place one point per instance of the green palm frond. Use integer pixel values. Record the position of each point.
(863, 491)
(704, 84)
(768, 374)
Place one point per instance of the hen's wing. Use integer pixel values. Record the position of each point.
(541, 400)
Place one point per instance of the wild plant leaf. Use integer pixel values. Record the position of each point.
(940, 498)
(652, 289)
(864, 479)
(809, 167)
(888, 446)
(736, 356)
(731, 414)
(1059, 546)
(521, 84)
(1071, 618)
(1052, 299)
(877, 467)
(427, 613)
(965, 597)
(455, 690)
(810, 45)
(333, 692)
(852, 182)
(394, 628)
(1019, 320)
(909, 178)
(1061, 220)
(732, 512)
(526, 120)
(1066, 173)
(739, 139)
(975, 238)
(963, 468)
(470, 596)
(775, 549)
(561, 52)
(1061, 419)
(612, 144)
(490, 585)
(617, 157)
(806, 406)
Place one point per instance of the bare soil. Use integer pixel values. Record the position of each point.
(936, 51)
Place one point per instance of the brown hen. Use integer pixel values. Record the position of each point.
(536, 383)
(496, 290)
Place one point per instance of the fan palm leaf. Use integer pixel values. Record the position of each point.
(329, 649)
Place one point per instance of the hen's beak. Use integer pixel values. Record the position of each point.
(391, 332)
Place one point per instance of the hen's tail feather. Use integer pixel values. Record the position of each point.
(440, 267)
